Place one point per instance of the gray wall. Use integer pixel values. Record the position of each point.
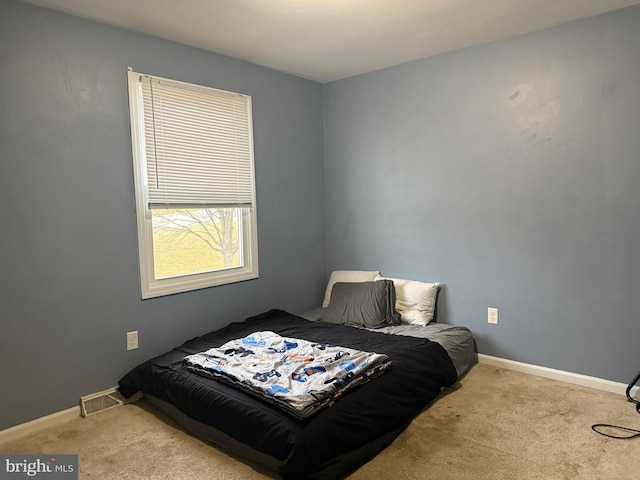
(69, 286)
(510, 173)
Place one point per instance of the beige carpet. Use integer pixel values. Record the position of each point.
(497, 424)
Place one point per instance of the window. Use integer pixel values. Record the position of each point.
(194, 183)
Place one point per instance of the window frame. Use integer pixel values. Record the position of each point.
(151, 287)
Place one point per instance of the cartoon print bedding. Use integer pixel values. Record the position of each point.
(299, 376)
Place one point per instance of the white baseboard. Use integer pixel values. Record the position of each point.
(561, 375)
(14, 433)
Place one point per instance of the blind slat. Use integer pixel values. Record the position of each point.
(198, 145)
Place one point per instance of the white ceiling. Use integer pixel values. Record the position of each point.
(327, 40)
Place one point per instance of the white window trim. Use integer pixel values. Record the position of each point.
(149, 285)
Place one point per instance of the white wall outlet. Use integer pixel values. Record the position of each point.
(132, 340)
(492, 316)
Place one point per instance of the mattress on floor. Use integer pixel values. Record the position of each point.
(328, 445)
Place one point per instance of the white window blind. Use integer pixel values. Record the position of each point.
(198, 144)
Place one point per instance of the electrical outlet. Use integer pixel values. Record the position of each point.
(132, 340)
(492, 316)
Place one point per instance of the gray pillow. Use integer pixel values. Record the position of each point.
(367, 304)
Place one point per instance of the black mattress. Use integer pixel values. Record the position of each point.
(330, 444)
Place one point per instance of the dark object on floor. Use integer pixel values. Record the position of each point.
(328, 445)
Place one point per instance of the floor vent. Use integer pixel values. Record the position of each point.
(99, 402)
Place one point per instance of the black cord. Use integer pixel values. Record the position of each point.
(628, 392)
(633, 433)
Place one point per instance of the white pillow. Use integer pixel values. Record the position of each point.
(415, 301)
(347, 276)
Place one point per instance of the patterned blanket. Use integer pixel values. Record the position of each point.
(300, 377)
